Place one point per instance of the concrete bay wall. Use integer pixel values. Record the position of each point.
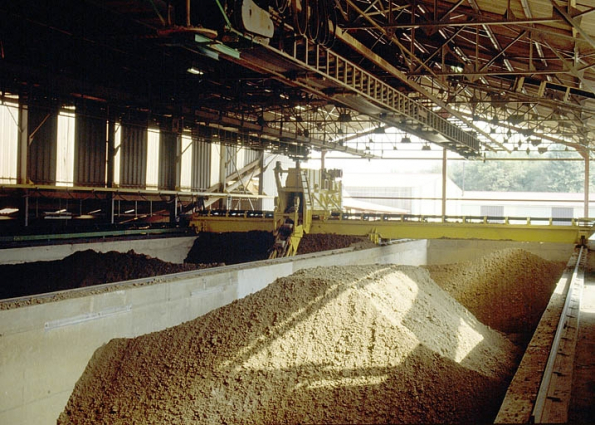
(171, 249)
(44, 348)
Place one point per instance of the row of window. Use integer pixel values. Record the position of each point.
(9, 133)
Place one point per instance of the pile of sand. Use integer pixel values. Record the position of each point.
(362, 344)
(507, 290)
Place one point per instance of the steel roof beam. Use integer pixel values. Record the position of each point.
(575, 25)
(442, 24)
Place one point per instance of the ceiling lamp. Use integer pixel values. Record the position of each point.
(194, 70)
(405, 140)
(426, 147)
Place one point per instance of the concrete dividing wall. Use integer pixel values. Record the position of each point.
(446, 251)
(44, 348)
(172, 250)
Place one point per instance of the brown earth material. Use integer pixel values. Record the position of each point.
(359, 344)
(325, 242)
(507, 290)
(231, 247)
(89, 268)
(81, 269)
(236, 247)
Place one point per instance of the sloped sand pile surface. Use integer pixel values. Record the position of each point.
(365, 344)
(507, 290)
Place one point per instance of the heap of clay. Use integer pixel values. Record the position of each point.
(507, 290)
(361, 344)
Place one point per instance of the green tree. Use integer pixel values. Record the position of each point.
(520, 176)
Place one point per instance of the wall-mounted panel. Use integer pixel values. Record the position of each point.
(133, 162)
(43, 134)
(90, 151)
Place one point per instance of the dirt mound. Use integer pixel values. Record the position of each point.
(83, 268)
(507, 289)
(238, 247)
(324, 242)
(230, 248)
(365, 344)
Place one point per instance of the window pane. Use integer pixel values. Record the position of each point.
(65, 147)
(8, 143)
(117, 155)
(152, 181)
(186, 164)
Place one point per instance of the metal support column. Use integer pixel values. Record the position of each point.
(26, 208)
(110, 166)
(111, 151)
(444, 155)
(178, 172)
(261, 180)
(223, 172)
(587, 163)
(23, 144)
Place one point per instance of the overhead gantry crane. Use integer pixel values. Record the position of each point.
(310, 201)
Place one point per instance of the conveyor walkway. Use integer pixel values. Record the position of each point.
(582, 400)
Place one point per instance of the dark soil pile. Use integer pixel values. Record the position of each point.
(230, 248)
(354, 344)
(237, 247)
(325, 242)
(83, 268)
(88, 268)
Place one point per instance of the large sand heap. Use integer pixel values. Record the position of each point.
(362, 344)
(507, 290)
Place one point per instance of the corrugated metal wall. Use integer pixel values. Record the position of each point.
(168, 153)
(90, 151)
(41, 160)
(250, 155)
(133, 162)
(201, 162)
(231, 163)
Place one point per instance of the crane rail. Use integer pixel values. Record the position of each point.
(553, 398)
(540, 390)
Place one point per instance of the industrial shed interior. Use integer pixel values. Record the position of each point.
(179, 241)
